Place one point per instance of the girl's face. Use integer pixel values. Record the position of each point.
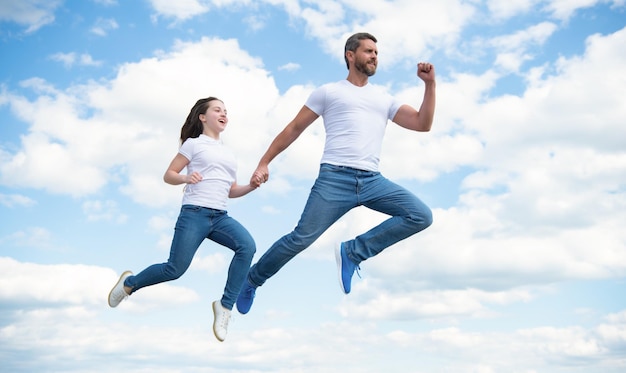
(214, 120)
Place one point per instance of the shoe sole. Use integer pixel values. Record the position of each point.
(339, 262)
(214, 321)
(122, 278)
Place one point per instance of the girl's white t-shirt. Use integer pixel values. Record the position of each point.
(217, 165)
(355, 119)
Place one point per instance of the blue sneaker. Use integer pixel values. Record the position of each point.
(346, 268)
(246, 297)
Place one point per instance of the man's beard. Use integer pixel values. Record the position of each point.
(364, 68)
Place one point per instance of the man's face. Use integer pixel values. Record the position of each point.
(366, 57)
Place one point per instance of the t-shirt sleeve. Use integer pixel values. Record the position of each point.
(393, 108)
(186, 149)
(315, 102)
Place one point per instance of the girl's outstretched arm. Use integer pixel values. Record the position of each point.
(237, 190)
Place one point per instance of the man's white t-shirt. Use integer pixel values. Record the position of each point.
(218, 167)
(355, 119)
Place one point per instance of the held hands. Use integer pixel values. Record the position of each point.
(260, 176)
(426, 71)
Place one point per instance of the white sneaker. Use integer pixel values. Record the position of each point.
(220, 321)
(118, 294)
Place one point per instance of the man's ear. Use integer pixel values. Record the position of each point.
(350, 56)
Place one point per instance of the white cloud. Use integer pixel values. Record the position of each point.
(67, 316)
(14, 200)
(214, 263)
(31, 237)
(66, 285)
(536, 34)
(433, 27)
(68, 59)
(255, 22)
(181, 10)
(560, 9)
(136, 131)
(291, 66)
(97, 210)
(513, 50)
(504, 9)
(407, 305)
(103, 26)
(72, 58)
(45, 163)
(564, 9)
(33, 14)
(160, 223)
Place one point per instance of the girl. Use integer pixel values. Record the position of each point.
(210, 181)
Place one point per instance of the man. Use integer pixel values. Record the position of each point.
(355, 115)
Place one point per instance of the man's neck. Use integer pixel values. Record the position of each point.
(358, 79)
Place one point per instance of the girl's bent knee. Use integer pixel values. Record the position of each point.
(171, 273)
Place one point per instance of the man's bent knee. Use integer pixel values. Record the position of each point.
(422, 220)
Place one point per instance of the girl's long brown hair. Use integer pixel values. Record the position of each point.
(193, 126)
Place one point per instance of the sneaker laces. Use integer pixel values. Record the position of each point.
(120, 296)
(224, 319)
(357, 269)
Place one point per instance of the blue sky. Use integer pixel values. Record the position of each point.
(523, 270)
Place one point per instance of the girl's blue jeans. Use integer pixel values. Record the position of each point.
(194, 224)
(336, 191)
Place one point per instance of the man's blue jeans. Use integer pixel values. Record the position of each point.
(336, 191)
(194, 224)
